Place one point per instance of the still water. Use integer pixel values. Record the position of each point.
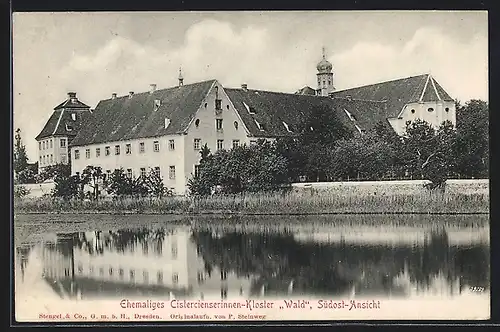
(90, 257)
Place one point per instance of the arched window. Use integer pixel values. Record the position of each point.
(236, 125)
(430, 109)
(197, 123)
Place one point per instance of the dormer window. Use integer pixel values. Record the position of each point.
(73, 116)
(259, 125)
(69, 127)
(157, 104)
(167, 123)
(249, 109)
(287, 127)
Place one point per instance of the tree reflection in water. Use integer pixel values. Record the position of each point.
(275, 259)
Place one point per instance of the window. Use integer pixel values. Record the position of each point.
(236, 143)
(39, 145)
(77, 154)
(141, 147)
(171, 173)
(197, 143)
(197, 122)
(101, 271)
(87, 153)
(132, 275)
(159, 277)
(145, 276)
(110, 271)
(223, 275)
(43, 144)
(117, 150)
(107, 151)
(446, 109)
(236, 125)
(223, 293)
(128, 148)
(143, 172)
(218, 124)
(97, 152)
(121, 273)
(51, 159)
(62, 143)
(412, 111)
(430, 109)
(218, 104)
(171, 144)
(175, 278)
(129, 173)
(44, 159)
(73, 116)
(50, 144)
(40, 159)
(220, 144)
(157, 171)
(156, 146)
(196, 170)
(63, 158)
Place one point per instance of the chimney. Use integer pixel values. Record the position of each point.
(72, 96)
(244, 87)
(130, 94)
(113, 95)
(152, 88)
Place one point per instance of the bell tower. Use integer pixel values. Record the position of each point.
(324, 76)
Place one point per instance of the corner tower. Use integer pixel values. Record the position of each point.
(324, 76)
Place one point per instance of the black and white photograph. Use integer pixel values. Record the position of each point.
(224, 166)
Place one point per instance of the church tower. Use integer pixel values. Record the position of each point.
(325, 76)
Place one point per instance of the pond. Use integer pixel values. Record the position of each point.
(90, 257)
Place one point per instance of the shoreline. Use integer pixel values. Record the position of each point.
(230, 213)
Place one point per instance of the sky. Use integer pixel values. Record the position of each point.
(96, 54)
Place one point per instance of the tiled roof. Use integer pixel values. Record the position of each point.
(273, 110)
(307, 90)
(366, 114)
(127, 118)
(64, 122)
(398, 93)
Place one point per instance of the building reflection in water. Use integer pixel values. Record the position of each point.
(204, 264)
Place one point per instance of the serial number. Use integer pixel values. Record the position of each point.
(477, 289)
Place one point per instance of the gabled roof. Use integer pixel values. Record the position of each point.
(273, 110)
(127, 118)
(61, 123)
(307, 90)
(398, 93)
(71, 104)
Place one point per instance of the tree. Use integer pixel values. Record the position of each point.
(67, 186)
(292, 150)
(429, 152)
(20, 156)
(51, 172)
(119, 184)
(253, 168)
(92, 176)
(153, 183)
(473, 139)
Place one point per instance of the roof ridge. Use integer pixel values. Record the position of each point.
(165, 89)
(379, 83)
(272, 92)
(358, 99)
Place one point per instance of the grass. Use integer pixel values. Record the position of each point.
(306, 202)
